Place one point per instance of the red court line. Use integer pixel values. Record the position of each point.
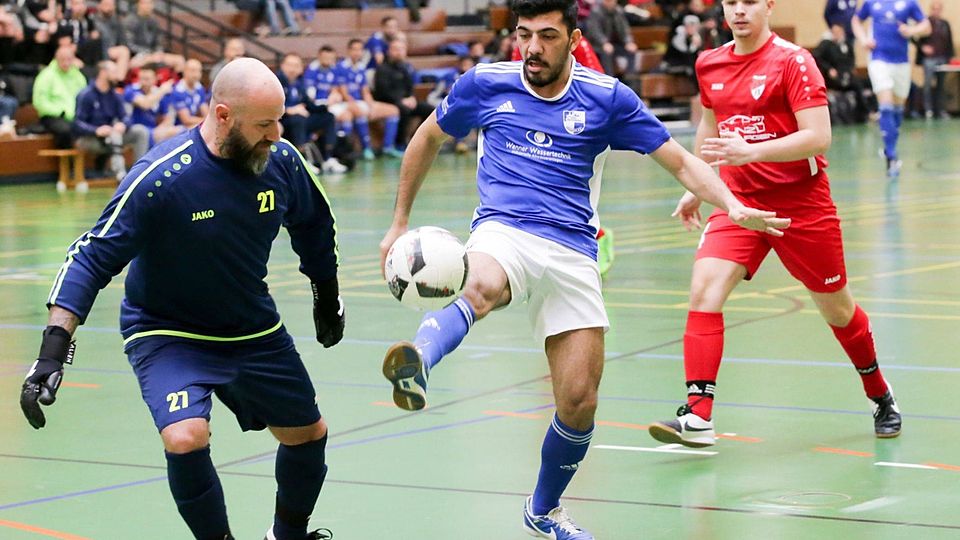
(740, 438)
(384, 404)
(841, 451)
(622, 425)
(79, 385)
(530, 416)
(944, 466)
(39, 530)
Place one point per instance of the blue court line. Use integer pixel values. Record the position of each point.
(406, 433)
(81, 493)
(533, 350)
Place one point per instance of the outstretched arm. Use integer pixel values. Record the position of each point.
(704, 184)
(417, 160)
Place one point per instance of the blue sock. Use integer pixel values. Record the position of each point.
(890, 130)
(300, 471)
(898, 116)
(442, 331)
(197, 491)
(363, 130)
(563, 449)
(390, 127)
(345, 128)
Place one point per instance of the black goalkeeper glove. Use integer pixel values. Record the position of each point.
(42, 382)
(329, 315)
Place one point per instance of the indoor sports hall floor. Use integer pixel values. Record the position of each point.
(797, 458)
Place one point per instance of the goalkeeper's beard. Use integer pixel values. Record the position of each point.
(252, 158)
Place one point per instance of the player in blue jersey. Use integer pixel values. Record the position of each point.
(195, 220)
(353, 78)
(152, 105)
(894, 23)
(190, 99)
(324, 86)
(546, 125)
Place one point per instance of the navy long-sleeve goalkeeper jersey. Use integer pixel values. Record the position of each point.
(197, 232)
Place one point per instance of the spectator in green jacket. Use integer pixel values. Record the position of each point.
(55, 93)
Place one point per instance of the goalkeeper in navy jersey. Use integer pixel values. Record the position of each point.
(195, 220)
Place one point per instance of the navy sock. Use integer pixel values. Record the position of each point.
(563, 450)
(196, 490)
(363, 130)
(390, 128)
(442, 331)
(300, 472)
(890, 130)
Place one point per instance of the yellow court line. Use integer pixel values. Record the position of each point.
(40, 530)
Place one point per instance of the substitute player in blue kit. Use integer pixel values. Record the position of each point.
(195, 220)
(894, 24)
(546, 125)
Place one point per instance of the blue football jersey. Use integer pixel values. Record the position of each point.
(320, 81)
(887, 17)
(188, 98)
(540, 160)
(354, 78)
(145, 117)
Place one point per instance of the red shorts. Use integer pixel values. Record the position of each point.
(811, 248)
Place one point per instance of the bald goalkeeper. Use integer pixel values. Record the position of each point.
(195, 219)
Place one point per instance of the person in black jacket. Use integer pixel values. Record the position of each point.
(847, 93)
(932, 52)
(393, 83)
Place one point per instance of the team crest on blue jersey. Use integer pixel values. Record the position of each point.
(574, 121)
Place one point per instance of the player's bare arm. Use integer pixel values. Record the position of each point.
(417, 160)
(703, 183)
(812, 138)
(63, 318)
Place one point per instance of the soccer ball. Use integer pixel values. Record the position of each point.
(426, 268)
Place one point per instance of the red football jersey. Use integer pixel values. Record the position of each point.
(756, 96)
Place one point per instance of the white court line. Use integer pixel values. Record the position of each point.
(905, 465)
(873, 504)
(668, 449)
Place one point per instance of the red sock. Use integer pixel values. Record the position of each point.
(857, 340)
(702, 350)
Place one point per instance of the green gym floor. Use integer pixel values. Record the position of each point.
(797, 458)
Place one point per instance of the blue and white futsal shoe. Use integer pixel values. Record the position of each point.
(404, 368)
(556, 525)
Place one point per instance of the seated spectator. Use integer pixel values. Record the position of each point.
(8, 101)
(846, 92)
(232, 50)
(38, 19)
(78, 29)
(55, 92)
(323, 83)
(609, 33)
(442, 89)
(682, 50)
(713, 26)
(393, 83)
(377, 45)
(934, 51)
(286, 11)
(100, 122)
(190, 100)
(11, 33)
(353, 78)
(113, 37)
(302, 119)
(477, 50)
(143, 33)
(151, 104)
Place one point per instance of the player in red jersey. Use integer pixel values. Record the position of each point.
(766, 125)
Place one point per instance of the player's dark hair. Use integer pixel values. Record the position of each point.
(326, 48)
(387, 19)
(532, 8)
(354, 40)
